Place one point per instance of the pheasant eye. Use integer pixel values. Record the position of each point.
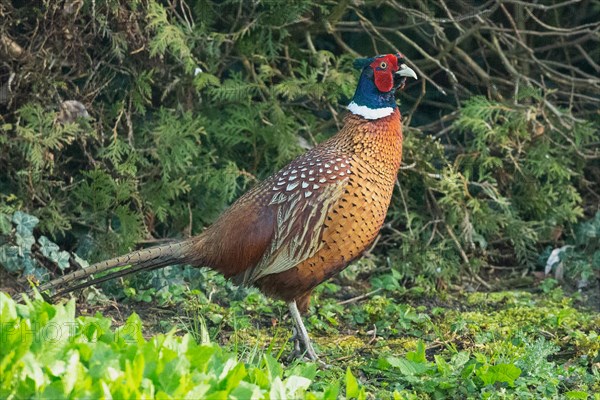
(383, 65)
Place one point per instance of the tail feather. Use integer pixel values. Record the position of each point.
(108, 277)
(147, 259)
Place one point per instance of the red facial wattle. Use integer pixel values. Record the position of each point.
(384, 81)
(383, 71)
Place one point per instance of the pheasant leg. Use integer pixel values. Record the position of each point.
(301, 340)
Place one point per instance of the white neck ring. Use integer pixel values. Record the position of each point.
(370, 113)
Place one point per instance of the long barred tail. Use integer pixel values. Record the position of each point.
(147, 259)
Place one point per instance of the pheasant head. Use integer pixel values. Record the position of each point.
(381, 77)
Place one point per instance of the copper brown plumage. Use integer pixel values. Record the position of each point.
(307, 222)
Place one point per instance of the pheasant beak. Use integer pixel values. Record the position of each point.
(405, 71)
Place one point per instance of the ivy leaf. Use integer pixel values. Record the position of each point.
(24, 242)
(62, 260)
(25, 223)
(51, 251)
(30, 268)
(83, 263)
(48, 248)
(9, 258)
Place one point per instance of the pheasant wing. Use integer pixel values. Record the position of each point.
(302, 195)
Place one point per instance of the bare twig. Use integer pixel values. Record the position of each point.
(361, 297)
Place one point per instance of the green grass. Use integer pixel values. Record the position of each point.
(511, 344)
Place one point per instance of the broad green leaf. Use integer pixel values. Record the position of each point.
(273, 366)
(235, 376)
(575, 394)
(131, 331)
(277, 389)
(352, 387)
(259, 377)
(71, 375)
(199, 391)
(417, 356)
(55, 390)
(332, 391)
(307, 370)
(442, 366)
(8, 309)
(499, 373)
(407, 367)
(245, 390)
(295, 386)
(460, 359)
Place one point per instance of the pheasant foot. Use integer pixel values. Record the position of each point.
(303, 347)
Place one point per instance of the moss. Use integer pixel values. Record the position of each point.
(345, 344)
(408, 344)
(376, 307)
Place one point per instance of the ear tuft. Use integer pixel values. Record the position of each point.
(361, 63)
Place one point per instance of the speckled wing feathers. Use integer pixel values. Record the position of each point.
(302, 194)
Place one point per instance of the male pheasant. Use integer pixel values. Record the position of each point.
(307, 222)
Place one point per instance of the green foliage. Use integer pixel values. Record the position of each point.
(494, 350)
(489, 345)
(517, 344)
(508, 190)
(462, 375)
(21, 251)
(190, 106)
(48, 352)
(191, 103)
